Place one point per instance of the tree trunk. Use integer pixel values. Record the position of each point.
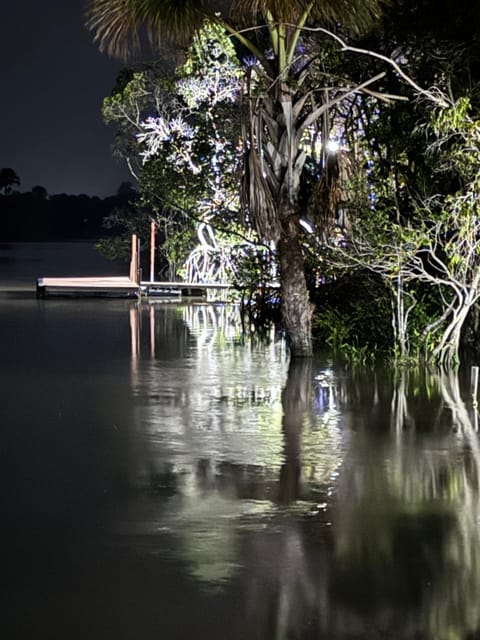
(447, 351)
(296, 307)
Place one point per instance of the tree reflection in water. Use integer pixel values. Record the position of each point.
(296, 403)
(346, 504)
(281, 592)
(407, 538)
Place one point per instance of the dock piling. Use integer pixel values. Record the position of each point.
(474, 383)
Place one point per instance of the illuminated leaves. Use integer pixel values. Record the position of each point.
(438, 245)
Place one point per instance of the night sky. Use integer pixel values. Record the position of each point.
(53, 80)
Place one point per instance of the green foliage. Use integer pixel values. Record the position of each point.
(352, 316)
(190, 174)
(192, 142)
(284, 104)
(179, 135)
(120, 224)
(431, 247)
(427, 311)
(176, 242)
(114, 248)
(338, 332)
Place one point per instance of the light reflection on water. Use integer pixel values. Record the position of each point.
(213, 426)
(165, 477)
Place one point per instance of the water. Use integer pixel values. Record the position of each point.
(163, 478)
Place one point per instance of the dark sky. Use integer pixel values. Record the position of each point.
(53, 80)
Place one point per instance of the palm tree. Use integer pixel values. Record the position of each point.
(282, 106)
(8, 179)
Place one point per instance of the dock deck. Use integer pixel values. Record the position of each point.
(110, 286)
(125, 286)
(120, 286)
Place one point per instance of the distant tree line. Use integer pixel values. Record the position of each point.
(37, 216)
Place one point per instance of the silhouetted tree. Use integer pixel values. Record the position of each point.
(8, 179)
(39, 192)
(126, 191)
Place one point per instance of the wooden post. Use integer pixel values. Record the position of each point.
(139, 270)
(135, 260)
(152, 251)
(132, 258)
(474, 384)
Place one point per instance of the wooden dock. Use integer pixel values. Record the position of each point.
(123, 286)
(103, 286)
(110, 286)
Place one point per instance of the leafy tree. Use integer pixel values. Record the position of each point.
(282, 106)
(436, 246)
(8, 179)
(179, 136)
(399, 177)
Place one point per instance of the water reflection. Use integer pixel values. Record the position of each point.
(407, 543)
(164, 476)
(243, 449)
(208, 430)
(346, 504)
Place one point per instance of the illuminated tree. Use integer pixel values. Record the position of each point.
(180, 137)
(435, 247)
(283, 105)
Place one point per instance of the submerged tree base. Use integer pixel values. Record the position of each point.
(297, 309)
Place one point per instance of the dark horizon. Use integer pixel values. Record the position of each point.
(31, 216)
(19, 191)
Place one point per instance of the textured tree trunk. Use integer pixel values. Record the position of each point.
(296, 306)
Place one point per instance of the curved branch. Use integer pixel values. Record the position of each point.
(438, 98)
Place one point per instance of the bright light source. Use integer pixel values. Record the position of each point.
(333, 146)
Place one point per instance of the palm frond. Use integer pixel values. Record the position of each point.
(332, 191)
(354, 14)
(118, 25)
(258, 199)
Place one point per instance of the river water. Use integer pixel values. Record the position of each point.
(165, 477)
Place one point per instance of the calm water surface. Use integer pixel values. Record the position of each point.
(163, 478)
